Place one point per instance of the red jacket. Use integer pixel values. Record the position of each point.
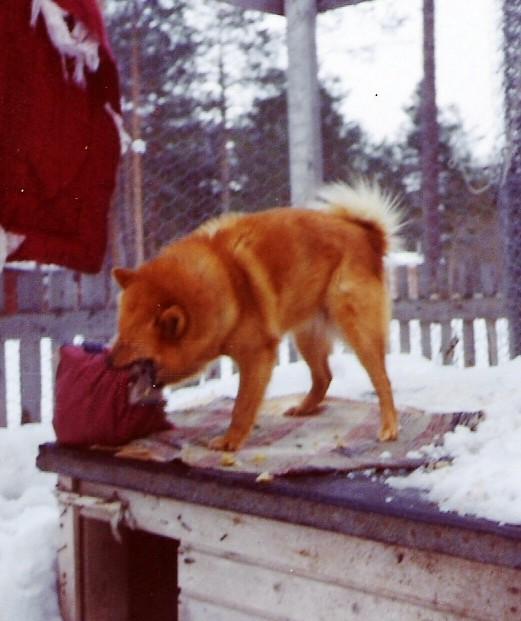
(59, 146)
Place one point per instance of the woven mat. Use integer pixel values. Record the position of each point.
(341, 437)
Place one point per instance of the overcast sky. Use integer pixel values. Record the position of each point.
(378, 58)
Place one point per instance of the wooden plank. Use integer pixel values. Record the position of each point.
(30, 378)
(10, 285)
(30, 291)
(457, 279)
(69, 584)
(413, 277)
(438, 311)
(94, 291)
(400, 280)
(489, 279)
(465, 282)
(492, 342)
(356, 507)
(288, 597)
(425, 336)
(448, 343)
(2, 292)
(192, 609)
(291, 595)
(305, 140)
(63, 290)
(60, 327)
(442, 281)
(55, 359)
(425, 285)
(469, 346)
(3, 395)
(415, 577)
(472, 280)
(405, 337)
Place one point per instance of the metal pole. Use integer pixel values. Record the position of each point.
(305, 140)
(510, 194)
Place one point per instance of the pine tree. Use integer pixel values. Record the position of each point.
(186, 68)
(156, 48)
(261, 148)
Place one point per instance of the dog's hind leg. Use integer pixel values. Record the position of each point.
(314, 344)
(361, 313)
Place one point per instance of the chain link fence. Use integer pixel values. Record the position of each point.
(205, 106)
(511, 183)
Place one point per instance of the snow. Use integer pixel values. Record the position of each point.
(483, 479)
(28, 528)
(405, 258)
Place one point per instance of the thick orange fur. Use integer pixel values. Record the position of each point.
(237, 284)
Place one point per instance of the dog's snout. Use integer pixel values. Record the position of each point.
(121, 355)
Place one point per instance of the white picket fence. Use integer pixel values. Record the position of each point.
(460, 323)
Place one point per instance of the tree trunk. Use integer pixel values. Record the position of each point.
(430, 148)
(224, 156)
(135, 129)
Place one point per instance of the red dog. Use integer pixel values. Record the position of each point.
(237, 284)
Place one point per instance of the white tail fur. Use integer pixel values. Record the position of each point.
(366, 202)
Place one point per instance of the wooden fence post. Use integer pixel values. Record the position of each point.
(31, 298)
(402, 292)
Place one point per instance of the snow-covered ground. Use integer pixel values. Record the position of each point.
(28, 529)
(483, 479)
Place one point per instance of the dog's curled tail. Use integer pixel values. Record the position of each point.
(368, 204)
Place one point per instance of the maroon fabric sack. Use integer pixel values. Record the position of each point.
(92, 401)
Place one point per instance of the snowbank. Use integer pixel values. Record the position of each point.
(484, 478)
(28, 528)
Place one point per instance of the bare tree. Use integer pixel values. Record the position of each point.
(430, 146)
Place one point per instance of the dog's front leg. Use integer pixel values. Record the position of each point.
(255, 368)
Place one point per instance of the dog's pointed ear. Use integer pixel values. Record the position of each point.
(123, 276)
(172, 323)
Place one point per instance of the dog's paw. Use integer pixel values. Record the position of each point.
(224, 443)
(298, 410)
(388, 434)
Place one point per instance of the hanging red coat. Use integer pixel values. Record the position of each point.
(59, 145)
